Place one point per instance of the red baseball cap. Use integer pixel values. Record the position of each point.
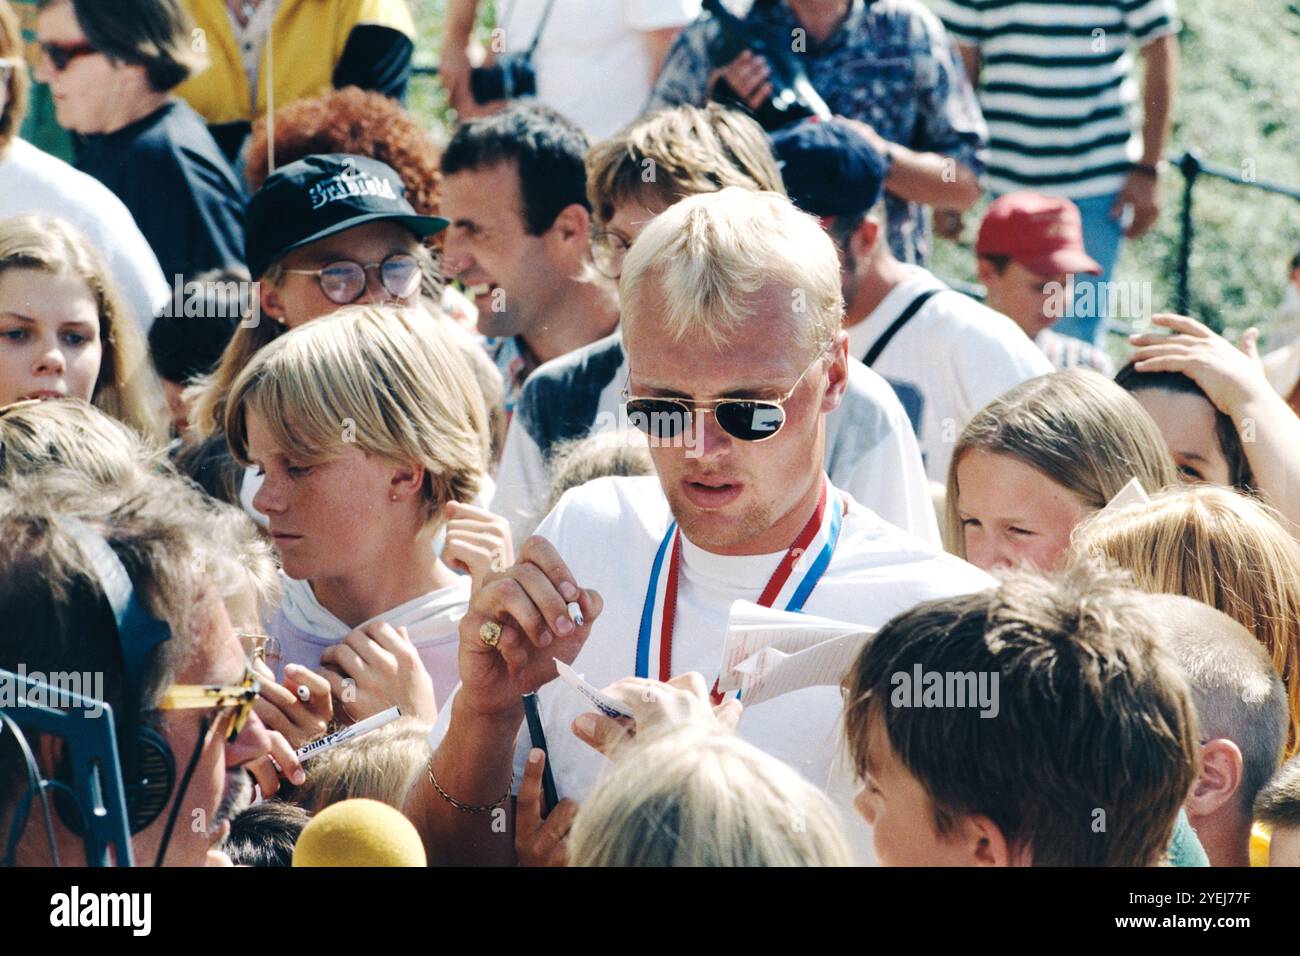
(1042, 233)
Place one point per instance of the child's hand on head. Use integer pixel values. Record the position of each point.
(478, 542)
(1228, 375)
(376, 667)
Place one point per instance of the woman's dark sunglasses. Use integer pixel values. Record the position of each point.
(61, 54)
(344, 281)
(747, 419)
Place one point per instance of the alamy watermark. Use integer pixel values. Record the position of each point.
(1112, 298)
(215, 299)
(74, 908)
(51, 689)
(667, 429)
(924, 688)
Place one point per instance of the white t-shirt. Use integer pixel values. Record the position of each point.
(952, 358)
(592, 61)
(871, 451)
(32, 181)
(305, 628)
(608, 532)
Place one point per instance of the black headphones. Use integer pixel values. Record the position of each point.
(148, 765)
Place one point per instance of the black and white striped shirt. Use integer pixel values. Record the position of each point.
(1057, 89)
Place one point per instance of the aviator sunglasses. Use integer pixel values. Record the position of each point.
(747, 419)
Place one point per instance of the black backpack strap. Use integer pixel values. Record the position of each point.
(913, 307)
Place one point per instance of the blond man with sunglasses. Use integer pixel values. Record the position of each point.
(731, 322)
(871, 450)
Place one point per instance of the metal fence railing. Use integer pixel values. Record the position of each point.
(1193, 168)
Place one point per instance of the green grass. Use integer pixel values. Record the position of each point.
(1238, 105)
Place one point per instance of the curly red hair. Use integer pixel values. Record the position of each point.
(351, 120)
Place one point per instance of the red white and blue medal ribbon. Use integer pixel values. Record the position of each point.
(818, 537)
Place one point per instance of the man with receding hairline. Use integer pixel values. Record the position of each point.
(871, 450)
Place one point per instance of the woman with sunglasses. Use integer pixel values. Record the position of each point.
(111, 69)
(357, 482)
(34, 181)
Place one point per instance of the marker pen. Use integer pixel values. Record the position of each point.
(373, 722)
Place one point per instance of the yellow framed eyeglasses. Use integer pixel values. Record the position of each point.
(238, 698)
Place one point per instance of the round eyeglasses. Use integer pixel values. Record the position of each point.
(344, 281)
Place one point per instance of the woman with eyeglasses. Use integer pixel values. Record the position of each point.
(357, 482)
(111, 69)
(63, 331)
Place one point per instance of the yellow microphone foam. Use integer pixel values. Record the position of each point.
(359, 833)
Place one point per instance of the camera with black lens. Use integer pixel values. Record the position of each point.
(510, 77)
(793, 97)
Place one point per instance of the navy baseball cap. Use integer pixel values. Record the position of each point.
(320, 196)
(829, 169)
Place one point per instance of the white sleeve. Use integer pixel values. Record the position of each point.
(872, 453)
(136, 269)
(961, 18)
(895, 475)
(661, 14)
(523, 484)
(992, 358)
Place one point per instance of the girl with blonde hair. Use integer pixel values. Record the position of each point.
(63, 329)
(1034, 463)
(1219, 547)
(367, 426)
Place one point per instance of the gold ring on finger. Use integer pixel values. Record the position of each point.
(489, 633)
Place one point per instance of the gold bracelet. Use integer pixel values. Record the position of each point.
(465, 807)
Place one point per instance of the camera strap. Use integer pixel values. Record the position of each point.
(541, 25)
(879, 345)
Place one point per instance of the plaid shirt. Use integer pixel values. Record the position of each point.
(890, 64)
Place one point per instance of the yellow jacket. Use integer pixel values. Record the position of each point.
(307, 36)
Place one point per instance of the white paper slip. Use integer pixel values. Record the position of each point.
(768, 653)
(602, 702)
